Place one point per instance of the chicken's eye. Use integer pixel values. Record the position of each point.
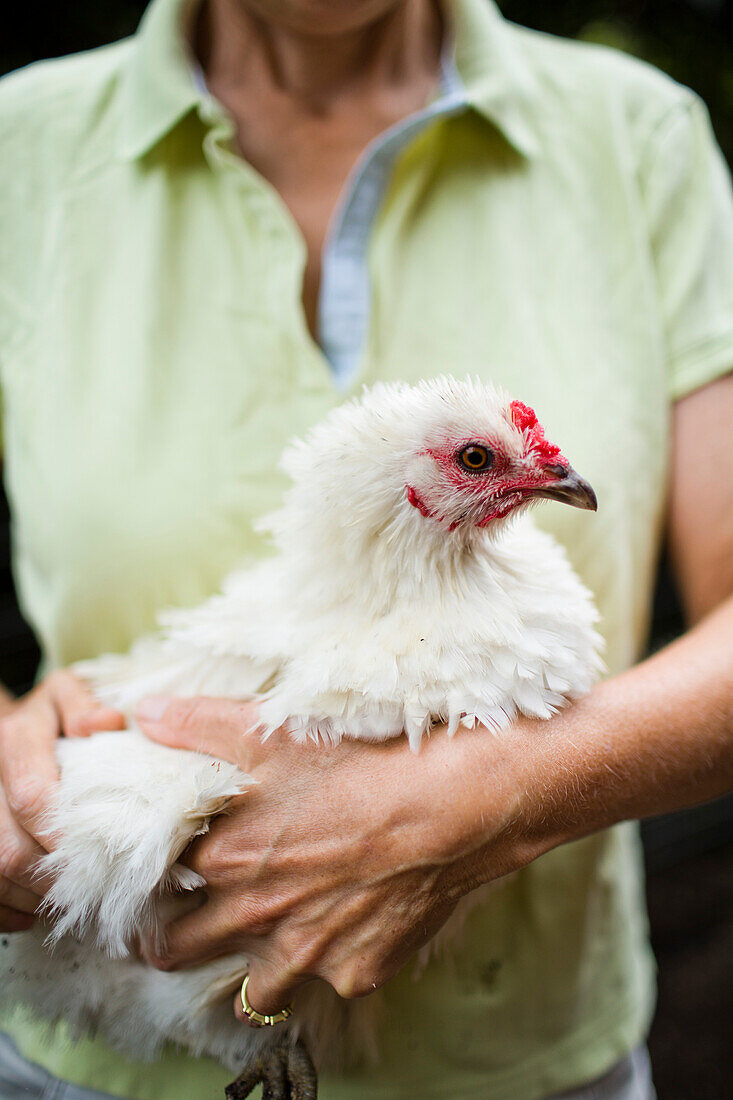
(476, 459)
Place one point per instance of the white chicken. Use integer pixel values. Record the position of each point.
(405, 592)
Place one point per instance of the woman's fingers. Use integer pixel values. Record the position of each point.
(191, 940)
(16, 897)
(269, 991)
(79, 712)
(212, 931)
(28, 770)
(20, 854)
(28, 734)
(28, 778)
(11, 920)
(216, 726)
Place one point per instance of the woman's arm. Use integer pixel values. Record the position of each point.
(654, 739)
(344, 861)
(660, 737)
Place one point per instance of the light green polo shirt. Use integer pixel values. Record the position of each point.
(570, 237)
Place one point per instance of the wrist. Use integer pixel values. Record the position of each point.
(578, 771)
(494, 821)
(526, 791)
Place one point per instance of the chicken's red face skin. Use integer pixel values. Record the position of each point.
(485, 477)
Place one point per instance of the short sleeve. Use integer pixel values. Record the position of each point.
(687, 191)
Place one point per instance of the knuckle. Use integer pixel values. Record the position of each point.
(8, 729)
(12, 863)
(26, 797)
(59, 680)
(162, 960)
(210, 857)
(92, 718)
(79, 723)
(305, 955)
(255, 917)
(356, 980)
(68, 678)
(76, 726)
(187, 715)
(274, 985)
(193, 716)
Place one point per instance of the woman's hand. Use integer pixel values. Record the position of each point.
(59, 707)
(341, 862)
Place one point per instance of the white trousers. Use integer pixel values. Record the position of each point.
(630, 1079)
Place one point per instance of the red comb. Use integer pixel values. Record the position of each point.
(522, 416)
(525, 419)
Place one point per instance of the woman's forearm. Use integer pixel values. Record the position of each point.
(654, 739)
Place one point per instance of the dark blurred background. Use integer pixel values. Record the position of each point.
(689, 855)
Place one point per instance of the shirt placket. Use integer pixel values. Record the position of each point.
(280, 240)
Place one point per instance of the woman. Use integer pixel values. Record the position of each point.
(212, 232)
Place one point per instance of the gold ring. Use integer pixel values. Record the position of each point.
(259, 1017)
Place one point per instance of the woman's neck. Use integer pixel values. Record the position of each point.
(243, 41)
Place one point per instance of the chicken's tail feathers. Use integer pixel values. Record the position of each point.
(127, 808)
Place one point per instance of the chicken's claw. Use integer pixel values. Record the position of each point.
(285, 1070)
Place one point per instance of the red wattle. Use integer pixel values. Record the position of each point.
(415, 501)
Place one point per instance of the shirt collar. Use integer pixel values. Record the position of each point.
(496, 75)
(159, 86)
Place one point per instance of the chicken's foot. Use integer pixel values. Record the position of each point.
(285, 1070)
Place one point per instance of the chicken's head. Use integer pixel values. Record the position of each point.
(445, 455)
(482, 457)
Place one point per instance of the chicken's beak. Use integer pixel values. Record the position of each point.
(570, 488)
